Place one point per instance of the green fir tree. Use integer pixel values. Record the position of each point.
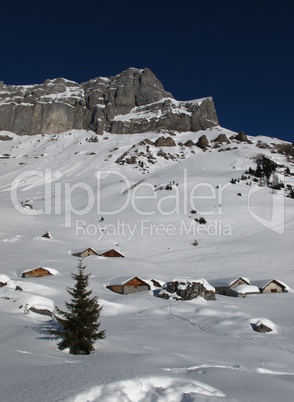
(79, 327)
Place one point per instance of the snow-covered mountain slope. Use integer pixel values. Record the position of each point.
(142, 198)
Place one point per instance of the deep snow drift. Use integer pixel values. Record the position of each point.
(155, 349)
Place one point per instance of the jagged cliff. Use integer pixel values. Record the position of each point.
(131, 102)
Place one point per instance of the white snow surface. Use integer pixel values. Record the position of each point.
(155, 349)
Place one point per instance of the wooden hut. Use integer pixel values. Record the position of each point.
(110, 253)
(270, 286)
(37, 272)
(84, 252)
(226, 286)
(128, 285)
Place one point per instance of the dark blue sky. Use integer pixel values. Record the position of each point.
(240, 53)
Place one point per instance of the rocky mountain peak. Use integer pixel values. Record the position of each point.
(131, 102)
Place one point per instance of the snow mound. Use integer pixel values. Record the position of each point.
(39, 302)
(155, 389)
(268, 323)
(4, 278)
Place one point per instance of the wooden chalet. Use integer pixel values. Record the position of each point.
(128, 285)
(83, 253)
(271, 286)
(226, 286)
(37, 272)
(110, 253)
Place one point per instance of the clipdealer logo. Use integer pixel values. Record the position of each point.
(58, 198)
(276, 222)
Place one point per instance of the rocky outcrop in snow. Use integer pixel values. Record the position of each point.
(202, 142)
(131, 102)
(181, 289)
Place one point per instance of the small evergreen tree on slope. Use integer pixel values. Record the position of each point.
(79, 327)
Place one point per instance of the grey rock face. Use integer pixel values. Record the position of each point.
(167, 114)
(55, 106)
(131, 102)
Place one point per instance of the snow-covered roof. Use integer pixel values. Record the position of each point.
(52, 271)
(121, 280)
(268, 323)
(40, 302)
(245, 289)
(81, 250)
(99, 252)
(262, 283)
(227, 281)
